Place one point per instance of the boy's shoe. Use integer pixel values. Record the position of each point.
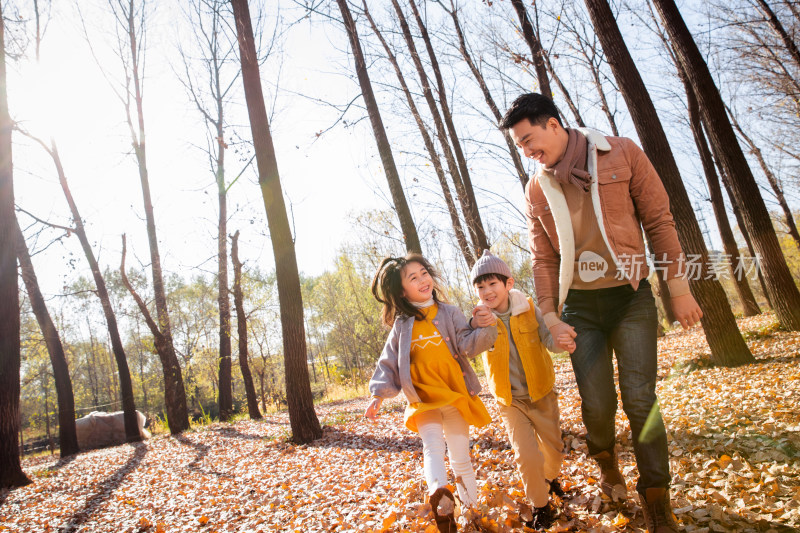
(657, 511)
(543, 517)
(555, 488)
(443, 505)
(611, 480)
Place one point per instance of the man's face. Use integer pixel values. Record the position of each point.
(545, 144)
(494, 293)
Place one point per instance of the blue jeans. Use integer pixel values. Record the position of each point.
(624, 321)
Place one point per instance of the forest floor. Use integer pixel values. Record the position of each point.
(734, 448)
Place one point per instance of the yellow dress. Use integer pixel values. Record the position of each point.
(437, 376)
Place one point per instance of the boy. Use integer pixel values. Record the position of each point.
(521, 378)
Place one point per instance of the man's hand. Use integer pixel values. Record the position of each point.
(567, 342)
(686, 310)
(372, 409)
(483, 317)
(563, 337)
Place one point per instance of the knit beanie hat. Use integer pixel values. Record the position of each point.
(489, 264)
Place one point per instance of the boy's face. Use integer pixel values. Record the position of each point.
(494, 293)
(544, 144)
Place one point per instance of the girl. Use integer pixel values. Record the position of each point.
(425, 356)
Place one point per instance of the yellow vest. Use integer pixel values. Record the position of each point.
(536, 360)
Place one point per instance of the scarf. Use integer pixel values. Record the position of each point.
(572, 167)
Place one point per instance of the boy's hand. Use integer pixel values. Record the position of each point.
(482, 316)
(563, 332)
(372, 409)
(567, 342)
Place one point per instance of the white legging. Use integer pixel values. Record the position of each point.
(435, 427)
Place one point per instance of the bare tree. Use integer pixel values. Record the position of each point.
(772, 179)
(384, 147)
(776, 25)
(783, 292)
(132, 433)
(464, 49)
(241, 328)
(748, 301)
(215, 51)
(727, 345)
(472, 214)
(303, 419)
(130, 18)
(535, 45)
(11, 474)
(455, 220)
(68, 438)
(466, 199)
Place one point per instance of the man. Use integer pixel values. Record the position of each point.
(586, 207)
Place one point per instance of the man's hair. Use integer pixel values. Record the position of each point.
(490, 276)
(534, 106)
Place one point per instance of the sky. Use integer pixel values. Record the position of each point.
(69, 96)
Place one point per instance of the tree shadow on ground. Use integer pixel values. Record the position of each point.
(232, 432)
(62, 462)
(106, 488)
(202, 452)
(337, 438)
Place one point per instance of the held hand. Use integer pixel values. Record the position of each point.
(372, 409)
(686, 310)
(482, 316)
(566, 340)
(563, 335)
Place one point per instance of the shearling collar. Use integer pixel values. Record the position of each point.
(596, 138)
(518, 302)
(558, 206)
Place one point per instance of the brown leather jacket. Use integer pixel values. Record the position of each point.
(627, 195)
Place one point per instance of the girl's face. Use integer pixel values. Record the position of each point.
(417, 283)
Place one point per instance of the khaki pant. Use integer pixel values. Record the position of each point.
(534, 430)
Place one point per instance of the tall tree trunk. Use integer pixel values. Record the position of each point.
(11, 474)
(163, 346)
(241, 328)
(384, 148)
(225, 378)
(791, 225)
(737, 213)
(68, 438)
(472, 215)
(783, 292)
(541, 61)
(727, 345)
(132, 433)
(749, 305)
(589, 52)
(487, 95)
(304, 423)
(775, 24)
(455, 221)
(174, 391)
(537, 53)
(441, 133)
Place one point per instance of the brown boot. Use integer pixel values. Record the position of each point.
(611, 480)
(443, 506)
(657, 511)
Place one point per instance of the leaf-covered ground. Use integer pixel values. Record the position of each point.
(734, 445)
